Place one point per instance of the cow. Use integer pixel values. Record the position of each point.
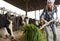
(31, 21)
(5, 22)
(26, 20)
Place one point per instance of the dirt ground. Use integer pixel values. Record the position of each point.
(18, 34)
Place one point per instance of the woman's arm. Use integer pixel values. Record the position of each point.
(47, 23)
(42, 19)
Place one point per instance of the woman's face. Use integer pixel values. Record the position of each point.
(50, 5)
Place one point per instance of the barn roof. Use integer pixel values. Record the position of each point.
(29, 5)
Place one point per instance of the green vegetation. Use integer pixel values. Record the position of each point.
(32, 33)
(58, 23)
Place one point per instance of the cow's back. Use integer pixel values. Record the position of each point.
(3, 21)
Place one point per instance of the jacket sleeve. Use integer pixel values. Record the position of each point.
(55, 9)
(43, 14)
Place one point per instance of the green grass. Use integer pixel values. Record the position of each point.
(32, 33)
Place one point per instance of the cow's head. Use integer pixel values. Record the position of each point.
(9, 16)
(26, 20)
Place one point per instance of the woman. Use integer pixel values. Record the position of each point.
(48, 15)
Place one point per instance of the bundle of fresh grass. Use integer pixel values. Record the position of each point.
(32, 33)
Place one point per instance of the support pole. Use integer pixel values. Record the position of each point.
(2, 10)
(35, 14)
(26, 7)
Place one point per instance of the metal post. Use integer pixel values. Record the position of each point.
(35, 14)
(26, 7)
(26, 13)
(39, 16)
(2, 10)
(39, 13)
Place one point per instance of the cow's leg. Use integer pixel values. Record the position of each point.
(9, 29)
(6, 34)
(5, 31)
(2, 32)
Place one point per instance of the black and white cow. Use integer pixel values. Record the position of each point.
(31, 21)
(6, 23)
